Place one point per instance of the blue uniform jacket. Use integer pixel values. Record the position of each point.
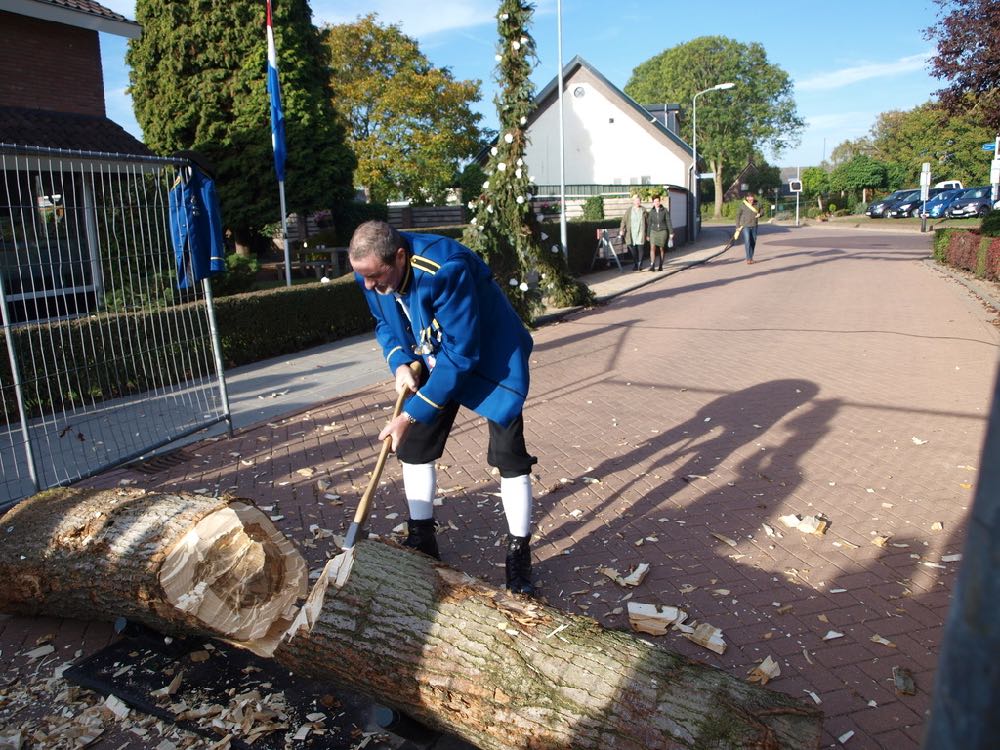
(461, 325)
(196, 227)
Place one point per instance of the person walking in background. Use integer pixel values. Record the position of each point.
(661, 232)
(633, 229)
(436, 301)
(746, 218)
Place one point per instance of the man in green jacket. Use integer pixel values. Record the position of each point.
(746, 222)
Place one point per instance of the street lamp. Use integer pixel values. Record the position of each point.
(694, 151)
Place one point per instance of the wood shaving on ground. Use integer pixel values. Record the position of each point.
(764, 672)
(654, 619)
(817, 524)
(709, 637)
(725, 539)
(636, 577)
(884, 641)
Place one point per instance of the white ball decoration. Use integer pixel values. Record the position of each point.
(494, 151)
(520, 162)
(515, 45)
(472, 205)
(486, 185)
(512, 282)
(555, 248)
(489, 209)
(504, 16)
(517, 173)
(544, 236)
(508, 138)
(520, 199)
(501, 167)
(523, 287)
(524, 120)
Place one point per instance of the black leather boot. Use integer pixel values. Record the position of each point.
(420, 536)
(519, 565)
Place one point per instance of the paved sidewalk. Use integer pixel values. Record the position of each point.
(676, 425)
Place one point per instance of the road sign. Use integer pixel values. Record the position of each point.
(706, 176)
(795, 186)
(989, 147)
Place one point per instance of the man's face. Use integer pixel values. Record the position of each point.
(656, 202)
(384, 279)
(636, 201)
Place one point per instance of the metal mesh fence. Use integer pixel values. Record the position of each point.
(105, 358)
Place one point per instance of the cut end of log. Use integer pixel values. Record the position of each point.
(236, 573)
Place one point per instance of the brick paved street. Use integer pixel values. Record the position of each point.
(840, 374)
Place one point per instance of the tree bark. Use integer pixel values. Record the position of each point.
(502, 672)
(179, 563)
(506, 673)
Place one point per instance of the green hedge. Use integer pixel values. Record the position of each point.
(252, 327)
(969, 250)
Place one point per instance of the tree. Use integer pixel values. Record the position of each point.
(860, 173)
(950, 142)
(758, 112)
(504, 231)
(198, 81)
(847, 150)
(410, 123)
(968, 51)
(815, 184)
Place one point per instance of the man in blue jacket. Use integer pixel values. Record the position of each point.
(434, 300)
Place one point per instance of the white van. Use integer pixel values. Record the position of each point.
(950, 185)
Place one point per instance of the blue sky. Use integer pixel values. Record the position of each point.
(848, 60)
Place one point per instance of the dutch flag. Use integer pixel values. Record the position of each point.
(274, 89)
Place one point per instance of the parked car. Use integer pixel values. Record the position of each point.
(936, 206)
(950, 185)
(876, 209)
(910, 204)
(972, 202)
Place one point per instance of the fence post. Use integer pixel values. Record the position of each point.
(220, 371)
(15, 372)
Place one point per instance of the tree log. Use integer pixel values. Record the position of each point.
(505, 673)
(502, 672)
(179, 563)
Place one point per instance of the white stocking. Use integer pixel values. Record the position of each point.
(420, 484)
(515, 492)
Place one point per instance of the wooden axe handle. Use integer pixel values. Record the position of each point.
(361, 514)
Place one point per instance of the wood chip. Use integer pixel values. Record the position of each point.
(725, 539)
(903, 680)
(764, 672)
(709, 637)
(636, 577)
(880, 540)
(937, 526)
(654, 619)
(831, 635)
(846, 735)
(884, 641)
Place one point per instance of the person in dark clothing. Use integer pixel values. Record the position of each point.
(661, 233)
(434, 300)
(746, 219)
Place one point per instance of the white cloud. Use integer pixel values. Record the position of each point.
(846, 76)
(415, 19)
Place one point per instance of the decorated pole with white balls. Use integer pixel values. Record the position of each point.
(504, 229)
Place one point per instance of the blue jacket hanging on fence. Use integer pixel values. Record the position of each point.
(196, 227)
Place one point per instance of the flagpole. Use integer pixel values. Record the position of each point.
(284, 233)
(278, 137)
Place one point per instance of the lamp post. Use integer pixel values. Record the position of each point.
(694, 152)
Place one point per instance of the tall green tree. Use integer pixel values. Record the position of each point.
(410, 123)
(198, 80)
(950, 142)
(758, 113)
(528, 265)
(815, 184)
(860, 174)
(968, 55)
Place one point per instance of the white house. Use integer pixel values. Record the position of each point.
(610, 139)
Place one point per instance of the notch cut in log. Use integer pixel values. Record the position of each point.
(177, 562)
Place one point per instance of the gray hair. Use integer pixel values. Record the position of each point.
(376, 238)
